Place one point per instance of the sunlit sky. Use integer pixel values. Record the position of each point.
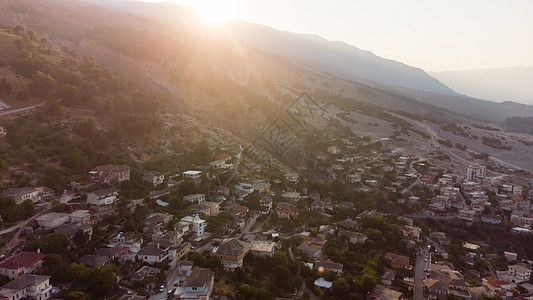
(436, 35)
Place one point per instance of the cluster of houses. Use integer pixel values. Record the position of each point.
(442, 279)
(25, 284)
(171, 240)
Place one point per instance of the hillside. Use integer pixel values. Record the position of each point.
(336, 59)
(342, 59)
(242, 90)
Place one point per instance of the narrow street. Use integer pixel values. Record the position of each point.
(4, 105)
(6, 112)
(20, 226)
(249, 226)
(420, 266)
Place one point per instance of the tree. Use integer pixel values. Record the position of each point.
(57, 267)
(29, 208)
(69, 93)
(5, 87)
(73, 159)
(252, 201)
(77, 295)
(51, 243)
(282, 275)
(201, 152)
(280, 259)
(41, 84)
(341, 288)
(81, 238)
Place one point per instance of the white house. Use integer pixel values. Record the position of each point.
(198, 226)
(198, 285)
(27, 286)
(192, 174)
(103, 197)
(130, 240)
(52, 220)
(195, 224)
(153, 253)
(263, 249)
(519, 273)
(21, 194)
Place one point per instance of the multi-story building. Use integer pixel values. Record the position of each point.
(153, 177)
(475, 171)
(110, 174)
(194, 224)
(232, 253)
(522, 221)
(103, 197)
(198, 285)
(263, 249)
(195, 198)
(129, 240)
(519, 273)
(102, 202)
(27, 286)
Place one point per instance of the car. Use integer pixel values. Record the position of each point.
(426, 259)
(162, 287)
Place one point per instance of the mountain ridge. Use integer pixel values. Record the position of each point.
(494, 84)
(347, 58)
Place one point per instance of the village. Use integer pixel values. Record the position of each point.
(193, 234)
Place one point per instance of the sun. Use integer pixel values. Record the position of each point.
(216, 10)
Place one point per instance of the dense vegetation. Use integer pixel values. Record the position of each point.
(53, 149)
(520, 124)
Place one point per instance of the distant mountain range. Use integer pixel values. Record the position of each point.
(344, 60)
(166, 30)
(503, 84)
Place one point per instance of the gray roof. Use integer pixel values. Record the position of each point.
(16, 192)
(152, 250)
(329, 265)
(25, 281)
(231, 247)
(71, 229)
(93, 260)
(198, 277)
(105, 192)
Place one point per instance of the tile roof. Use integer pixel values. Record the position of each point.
(198, 278)
(26, 259)
(152, 250)
(93, 260)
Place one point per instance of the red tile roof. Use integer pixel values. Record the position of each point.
(26, 259)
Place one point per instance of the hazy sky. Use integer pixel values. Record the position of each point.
(435, 35)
